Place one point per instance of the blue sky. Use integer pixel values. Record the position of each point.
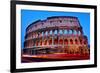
(29, 16)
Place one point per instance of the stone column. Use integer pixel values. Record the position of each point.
(68, 31)
(43, 41)
(63, 31)
(35, 35)
(63, 37)
(39, 42)
(77, 32)
(44, 33)
(52, 41)
(72, 32)
(47, 41)
(52, 38)
(40, 34)
(58, 37)
(48, 33)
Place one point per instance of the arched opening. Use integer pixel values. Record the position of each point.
(60, 32)
(46, 33)
(75, 32)
(40, 42)
(71, 41)
(61, 41)
(42, 33)
(55, 32)
(50, 41)
(70, 31)
(33, 43)
(36, 43)
(79, 33)
(55, 41)
(66, 42)
(65, 32)
(45, 43)
(80, 41)
(50, 32)
(76, 41)
(85, 42)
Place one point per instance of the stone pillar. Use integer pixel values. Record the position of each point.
(58, 31)
(63, 37)
(47, 41)
(49, 33)
(52, 38)
(58, 36)
(42, 41)
(38, 42)
(44, 33)
(35, 35)
(63, 31)
(68, 31)
(52, 41)
(77, 32)
(40, 34)
(53, 32)
(72, 32)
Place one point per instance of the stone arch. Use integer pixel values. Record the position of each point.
(40, 42)
(46, 33)
(37, 43)
(76, 41)
(42, 33)
(55, 31)
(66, 42)
(60, 31)
(50, 32)
(79, 32)
(50, 42)
(70, 31)
(65, 31)
(61, 41)
(45, 42)
(80, 41)
(74, 32)
(71, 41)
(85, 42)
(56, 41)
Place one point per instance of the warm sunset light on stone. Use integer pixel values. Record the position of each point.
(56, 38)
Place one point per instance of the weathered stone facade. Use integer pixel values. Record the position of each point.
(58, 34)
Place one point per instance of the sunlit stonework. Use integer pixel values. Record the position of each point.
(56, 35)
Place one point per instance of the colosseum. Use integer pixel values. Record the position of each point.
(56, 35)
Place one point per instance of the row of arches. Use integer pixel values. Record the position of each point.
(68, 50)
(61, 42)
(55, 41)
(53, 32)
(61, 31)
